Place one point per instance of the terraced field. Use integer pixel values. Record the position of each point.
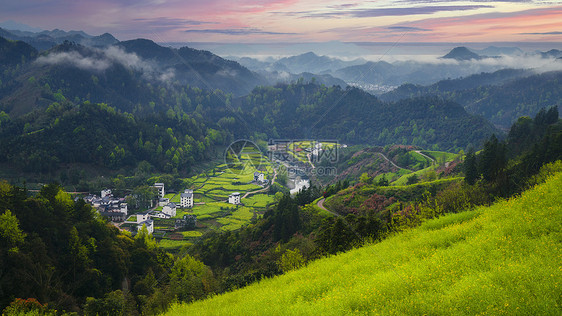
(211, 191)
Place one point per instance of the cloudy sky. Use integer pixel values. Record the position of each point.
(297, 20)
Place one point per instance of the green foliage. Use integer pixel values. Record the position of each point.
(470, 168)
(112, 303)
(365, 178)
(364, 119)
(492, 159)
(66, 254)
(11, 236)
(540, 143)
(291, 260)
(413, 179)
(30, 306)
(111, 138)
(191, 280)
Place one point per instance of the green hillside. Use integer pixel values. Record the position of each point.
(503, 259)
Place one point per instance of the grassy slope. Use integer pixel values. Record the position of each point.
(505, 259)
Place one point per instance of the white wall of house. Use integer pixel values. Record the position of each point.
(186, 199)
(169, 209)
(163, 201)
(141, 217)
(234, 198)
(160, 187)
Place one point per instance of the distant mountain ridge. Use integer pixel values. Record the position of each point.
(501, 97)
(147, 60)
(45, 40)
(462, 54)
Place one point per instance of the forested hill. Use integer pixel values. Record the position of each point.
(44, 100)
(354, 116)
(64, 133)
(499, 77)
(126, 75)
(501, 97)
(14, 52)
(198, 68)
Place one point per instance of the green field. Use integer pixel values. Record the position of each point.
(392, 176)
(258, 200)
(173, 245)
(440, 156)
(504, 259)
(211, 190)
(240, 217)
(192, 233)
(404, 178)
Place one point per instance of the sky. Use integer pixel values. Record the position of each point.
(294, 21)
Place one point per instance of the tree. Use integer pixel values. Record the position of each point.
(383, 182)
(278, 196)
(190, 279)
(470, 168)
(291, 260)
(145, 239)
(492, 160)
(365, 178)
(11, 236)
(111, 304)
(413, 179)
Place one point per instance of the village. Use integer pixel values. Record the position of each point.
(224, 197)
(115, 208)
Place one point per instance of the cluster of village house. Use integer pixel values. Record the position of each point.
(115, 209)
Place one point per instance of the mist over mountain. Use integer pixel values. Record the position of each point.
(553, 53)
(383, 75)
(498, 51)
(116, 74)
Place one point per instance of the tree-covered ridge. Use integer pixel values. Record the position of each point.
(501, 97)
(499, 77)
(14, 52)
(354, 116)
(100, 135)
(505, 167)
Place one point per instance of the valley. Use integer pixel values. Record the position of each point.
(145, 178)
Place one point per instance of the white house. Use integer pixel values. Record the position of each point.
(141, 217)
(149, 225)
(259, 177)
(157, 214)
(169, 209)
(234, 198)
(123, 208)
(186, 198)
(163, 201)
(160, 187)
(106, 192)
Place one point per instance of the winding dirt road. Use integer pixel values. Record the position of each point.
(320, 204)
(392, 162)
(426, 156)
